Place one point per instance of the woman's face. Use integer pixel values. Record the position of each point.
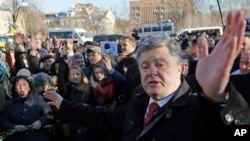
(22, 88)
(99, 74)
(75, 76)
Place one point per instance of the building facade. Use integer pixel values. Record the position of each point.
(151, 11)
(85, 16)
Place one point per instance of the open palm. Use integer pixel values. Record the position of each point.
(213, 71)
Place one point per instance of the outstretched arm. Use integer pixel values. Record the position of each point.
(213, 71)
(54, 98)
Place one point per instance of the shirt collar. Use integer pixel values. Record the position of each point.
(163, 101)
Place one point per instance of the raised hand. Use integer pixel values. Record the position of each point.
(33, 42)
(70, 44)
(93, 84)
(213, 71)
(18, 38)
(54, 98)
(107, 61)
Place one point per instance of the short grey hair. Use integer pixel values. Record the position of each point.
(76, 56)
(154, 42)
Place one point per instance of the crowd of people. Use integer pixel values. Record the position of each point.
(161, 88)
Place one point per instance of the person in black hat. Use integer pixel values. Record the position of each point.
(45, 63)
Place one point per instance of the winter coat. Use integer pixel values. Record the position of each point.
(25, 111)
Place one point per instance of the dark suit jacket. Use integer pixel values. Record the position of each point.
(183, 118)
(133, 80)
(192, 66)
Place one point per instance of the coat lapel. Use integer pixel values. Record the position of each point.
(141, 106)
(166, 110)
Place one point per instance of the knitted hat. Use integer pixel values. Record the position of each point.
(44, 51)
(24, 72)
(41, 79)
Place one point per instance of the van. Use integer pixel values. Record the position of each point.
(155, 29)
(97, 39)
(79, 35)
(200, 30)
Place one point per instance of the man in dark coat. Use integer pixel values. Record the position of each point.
(181, 114)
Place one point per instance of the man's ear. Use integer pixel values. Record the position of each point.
(180, 67)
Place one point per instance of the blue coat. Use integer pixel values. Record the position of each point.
(21, 111)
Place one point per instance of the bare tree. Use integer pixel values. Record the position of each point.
(28, 17)
(14, 7)
(228, 5)
(34, 21)
(121, 23)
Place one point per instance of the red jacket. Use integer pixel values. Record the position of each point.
(105, 93)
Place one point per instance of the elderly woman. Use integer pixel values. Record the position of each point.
(26, 109)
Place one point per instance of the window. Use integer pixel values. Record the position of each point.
(84, 34)
(139, 30)
(147, 29)
(154, 29)
(157, 8)
(137, 15)
(68, 35)
(166, 28)
(61, 35)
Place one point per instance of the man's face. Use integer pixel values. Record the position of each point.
(127, 47)
(245, 44)
(94, 58)
(245, 63)
(47, 63)
(192, 51)
(160, 72)
(80, 63)
(185, 67)
(87, 47)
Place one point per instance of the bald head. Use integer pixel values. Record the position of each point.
(245, 44)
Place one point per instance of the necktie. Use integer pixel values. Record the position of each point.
(152, 108)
